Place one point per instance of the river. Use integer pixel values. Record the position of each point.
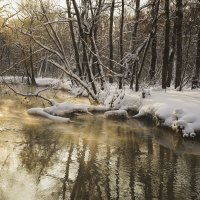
(93, 158)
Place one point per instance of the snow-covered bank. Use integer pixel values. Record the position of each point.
(41, 82)
(170, 108)
(13, 79)
(178, 110)
(175, 109)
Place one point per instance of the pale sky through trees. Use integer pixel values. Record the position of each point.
(13, 3)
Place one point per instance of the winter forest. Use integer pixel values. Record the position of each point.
(133, 43)
(99, 99)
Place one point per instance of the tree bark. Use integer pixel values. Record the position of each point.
(93, 40)
(73, 39)
(171, 56)
(133, 40)
(135, 26)
(32, 75)
(179, 16)
(197, 64)
(111, 37)
(154, 43)
(121, 45)
(165, 66)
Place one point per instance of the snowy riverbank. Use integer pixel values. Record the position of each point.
(178, 110)
(175, 109)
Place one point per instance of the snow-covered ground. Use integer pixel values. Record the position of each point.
(43, 82)
(12, 79)
(179, 110)
(175, 109)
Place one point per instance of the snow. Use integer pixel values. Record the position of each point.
(178, 110)
(41, 112)
(171, 108)
(124, 99)
(12, 79)
(59, 111)
(43, 82)
(64, 109)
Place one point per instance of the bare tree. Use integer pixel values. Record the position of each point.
(171, 55)
(121, 43)
(165, 66)
(133, 39)
(179, 20)
(112, 8)
(197, 69)
(76, 52)
(154, 42)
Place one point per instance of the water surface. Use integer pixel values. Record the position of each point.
(91, 159)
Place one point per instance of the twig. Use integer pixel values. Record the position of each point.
(37, 94)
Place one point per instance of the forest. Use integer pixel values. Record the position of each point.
(132, 43)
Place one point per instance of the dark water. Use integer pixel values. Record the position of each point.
(92, 159)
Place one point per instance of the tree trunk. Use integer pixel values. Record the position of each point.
(121, 45)
(179, 15)
(111, 37)
(74, 40)
(197, 70)
(133, 39)
(93, 40)
(165, 67)
(154, 43)
(32, 75)
(171, 56)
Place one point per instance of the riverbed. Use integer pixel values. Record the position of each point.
(92, 158)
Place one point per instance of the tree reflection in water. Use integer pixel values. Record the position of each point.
(101, 159)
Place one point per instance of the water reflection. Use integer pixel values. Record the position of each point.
(96, 159)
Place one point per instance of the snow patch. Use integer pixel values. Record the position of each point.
(44, 82)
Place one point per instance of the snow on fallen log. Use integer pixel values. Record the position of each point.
(40, 112)
(64, 109)
(59, 111)
(116, 114)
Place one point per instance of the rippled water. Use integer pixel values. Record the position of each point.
(93, 158)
